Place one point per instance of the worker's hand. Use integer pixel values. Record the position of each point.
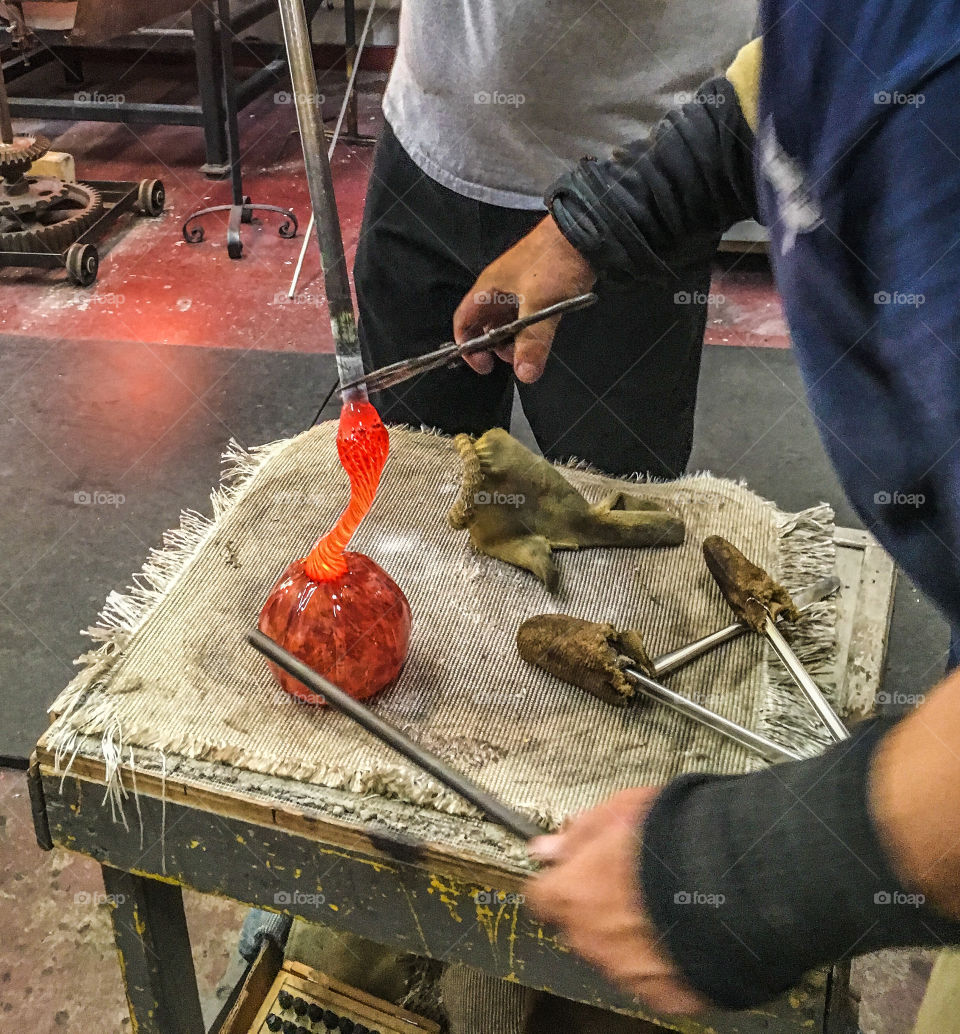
(590, 891)
(540, 270)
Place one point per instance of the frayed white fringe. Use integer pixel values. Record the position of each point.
(122, 616)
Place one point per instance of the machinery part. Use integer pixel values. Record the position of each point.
(151, 197)
(757, 599)
(29, 195)
(83, 263)
(670, 662)
(19, 153)
(55, 227)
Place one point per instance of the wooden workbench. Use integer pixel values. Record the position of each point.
(313, 853)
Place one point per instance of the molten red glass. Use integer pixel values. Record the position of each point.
(340, 612)
(354, 629)
(362, 445)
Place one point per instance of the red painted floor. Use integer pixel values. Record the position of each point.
(154, 287)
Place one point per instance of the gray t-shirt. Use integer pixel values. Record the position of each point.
(495, 99)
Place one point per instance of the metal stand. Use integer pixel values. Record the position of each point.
(241, 210)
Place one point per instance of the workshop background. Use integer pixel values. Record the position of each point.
(118, 398)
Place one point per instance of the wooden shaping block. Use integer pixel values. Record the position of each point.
(311, 1001)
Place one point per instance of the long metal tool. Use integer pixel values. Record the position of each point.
(670, 662)
(732, 730)
(347, 95)
(451, 352)
(756, 599)
(306, 98)
(802, 678)
(492, 807)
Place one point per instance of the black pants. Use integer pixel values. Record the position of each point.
(621, 382)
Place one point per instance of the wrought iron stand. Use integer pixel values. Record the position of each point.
(241, 208)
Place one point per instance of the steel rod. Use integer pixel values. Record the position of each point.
(670, 662)
(492, 807)
(6, 125)
(333, 144)
(800, 675)
(732, 730)
(303, 79)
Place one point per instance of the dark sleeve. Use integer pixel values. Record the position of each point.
(662, 205)
(754, 880)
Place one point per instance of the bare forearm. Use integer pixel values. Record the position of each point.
(915, 797)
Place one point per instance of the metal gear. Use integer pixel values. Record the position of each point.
(20, 153)
(30, 195)
(53, 227)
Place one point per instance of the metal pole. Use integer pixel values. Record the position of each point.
(738, 733)
(6, 126)
(303, 78)
(669, 662)
(494, 809)
(333, 143)
(809, 688)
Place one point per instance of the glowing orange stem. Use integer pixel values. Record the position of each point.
(362, 445)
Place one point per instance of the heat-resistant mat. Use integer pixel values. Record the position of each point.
(174, 676)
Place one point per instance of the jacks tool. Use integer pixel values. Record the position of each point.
(758, 600)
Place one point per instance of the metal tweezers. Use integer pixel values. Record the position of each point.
(448, 354)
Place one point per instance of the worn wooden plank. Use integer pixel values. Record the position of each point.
(303, 822)
(869, 576)
(150, 930)
(394, 902)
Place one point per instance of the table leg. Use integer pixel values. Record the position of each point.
(206, 46)
(150, 930)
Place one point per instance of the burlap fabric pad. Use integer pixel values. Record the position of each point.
(175, 675)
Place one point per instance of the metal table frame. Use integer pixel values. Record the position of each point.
(209, 112)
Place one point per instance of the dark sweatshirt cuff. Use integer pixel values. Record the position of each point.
(657, 208)
(753, 880)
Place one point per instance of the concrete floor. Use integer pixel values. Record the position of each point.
(133, 386)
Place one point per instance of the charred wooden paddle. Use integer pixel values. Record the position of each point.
(758, 601)
(669, 662)
(607, 663)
